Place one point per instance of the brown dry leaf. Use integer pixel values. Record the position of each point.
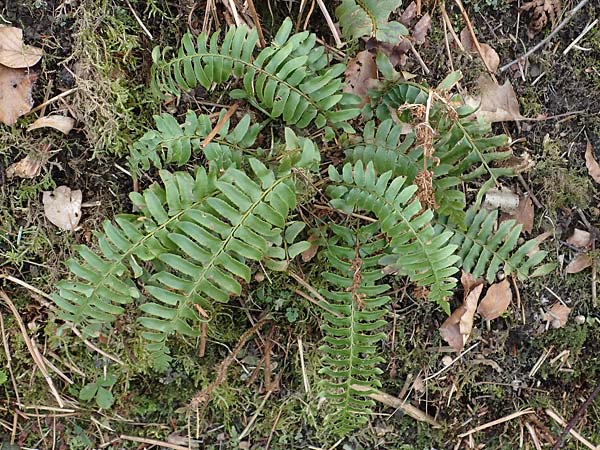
(539, 239)
(580, 239)
(488, 54)
(13, 53)
(496, 103)
(557, 315)
(579, 263)
(525, 214)
(519, 164)
(63, 124)
(541, 11)
(15, 94)
(361, 75)
(421, 29)
(457, 328)
(28, 167)
(309, 254)
(592, 165)
(496, 301)
(396, 53)
(468, 282)
(408, 14)
(62, 207)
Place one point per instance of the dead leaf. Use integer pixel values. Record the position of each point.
(361, 75)
(557, 315)
(496, 103)
(28, 167)
(539, 239)
(592, 165)
(421, 29)
(488, 54)
(396, 53)
(519, 164)
(408, 14)
(579, 263)
(13, 53)
(63, 124)
(496, 301)
(457, 328)
(310, 253)
(15, 94)
(580, 239)
(525, 214)
(468, 282)
(62, 207)
(503, 199)
(541, 11)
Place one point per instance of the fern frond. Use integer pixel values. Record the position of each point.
(485, 250)
(463, 145)
(280, 81)
(425, 256)
(353, 315)
(360, 18)
(172, 143)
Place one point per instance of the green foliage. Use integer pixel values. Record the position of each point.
(360, 18)
(198, 236)
(353, 315)
(286, 79)
(100, 391)
(417, 251)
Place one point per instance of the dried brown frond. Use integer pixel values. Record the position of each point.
(541, 11)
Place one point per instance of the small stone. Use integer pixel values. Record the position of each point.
(556, 323)
(580, 320)
(447, 360)
(500, 275)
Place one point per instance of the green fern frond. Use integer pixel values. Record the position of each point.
(172, 143)
(280, 81)
(485, 250)
(353, 315)
(427, 257)
(360, 18)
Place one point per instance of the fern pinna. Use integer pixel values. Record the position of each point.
(353, 313)
(290, 78)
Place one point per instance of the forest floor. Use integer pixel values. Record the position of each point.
(98, 55)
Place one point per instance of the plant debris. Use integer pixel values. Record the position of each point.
(557, 315)
(579, 263)
(63, 124)
(592, 165)
(361, 75)
(497, 103)
(496, 301)
(28, 167)
(580, 239)
(15, 94)
(488, 54)
(62, 207)
(14, 53)
(503, 199)
(457, 328)
(541, 11)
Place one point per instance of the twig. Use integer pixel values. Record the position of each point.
(475, 40)
(558, 419)
(255, 18)
(497, 422)
(544, 41)
(534, 438)
(419, 59)
(452, 32)
(204, 395)
(443, 369)
(52, 100)
(580, 37)
(302, 366)
(234, 11)
(220, 124)
(576, 418)
(33, 350)
(532, 196)
(203, 333)
(330, 24)
(397, 403)
(139, 21)
(154, 442)
(254, 416)
(26, 286)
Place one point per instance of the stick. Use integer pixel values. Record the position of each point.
(580, 37)
(330, 24)
(261, 36)
(576, 418)
(497, 422)
(93, 347)
(395, 402)
(558, 419)
(544, 41)
(220, 124)
(52, 100)
(33, 350)
(139, 21)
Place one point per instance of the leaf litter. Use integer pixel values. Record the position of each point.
(63, 124)
(488, 54)
(496, 301)
(62, 207)
(592, 165)
(361, 75)
(14, 53)
(495, 103)
(15, 94)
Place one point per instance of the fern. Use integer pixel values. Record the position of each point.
(172, 143)
(353, 313)
(360, 18)
(484, 251)
(282, 81)
(199, 235)
(425, 256)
